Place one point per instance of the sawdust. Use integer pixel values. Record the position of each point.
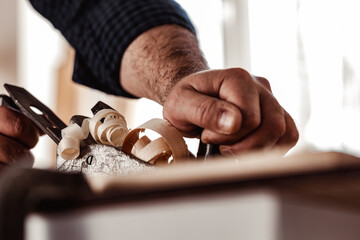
(101, 160)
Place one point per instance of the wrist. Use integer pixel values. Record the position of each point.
(177, 76)
(158, 59)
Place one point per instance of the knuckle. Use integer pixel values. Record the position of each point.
(18, 127)
(239, 72)
(204, 110)
(252, 120)
(293, 136)
(264, 82)
(278, 129)
(171, 102)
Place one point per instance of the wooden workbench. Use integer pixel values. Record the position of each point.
(304, 196)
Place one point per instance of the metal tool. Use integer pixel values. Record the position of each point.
(46, 120)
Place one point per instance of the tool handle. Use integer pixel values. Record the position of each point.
(207, 151)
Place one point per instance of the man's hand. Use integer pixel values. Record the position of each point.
(18, 134)
(235, 109)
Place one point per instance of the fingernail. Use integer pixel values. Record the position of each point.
(205, 140)
(226, 150)
(226, 122)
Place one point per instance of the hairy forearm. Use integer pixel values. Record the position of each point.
(156, 60)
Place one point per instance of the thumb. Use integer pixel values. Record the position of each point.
(194, 108)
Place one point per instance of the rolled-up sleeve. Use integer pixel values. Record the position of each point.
(101, 30)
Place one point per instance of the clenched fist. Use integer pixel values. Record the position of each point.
(236, 110)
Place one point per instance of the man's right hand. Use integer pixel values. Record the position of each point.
(235, 109)
(18, 134)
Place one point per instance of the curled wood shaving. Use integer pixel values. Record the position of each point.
(152, 150)
(109, 127)
(70, 142)
(171, 143)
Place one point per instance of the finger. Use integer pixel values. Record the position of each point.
(234, 86)
(213, 137)
(272, 128)
(208, 136)
(291, 136)
(240, 89)
(194, 108)
(18, 126)
(264, 82)
(12, 152)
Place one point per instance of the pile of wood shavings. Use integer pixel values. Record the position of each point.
(99, 153)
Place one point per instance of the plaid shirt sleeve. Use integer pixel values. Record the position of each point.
(101, 30)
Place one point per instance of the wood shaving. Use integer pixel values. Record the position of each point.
(171, 143)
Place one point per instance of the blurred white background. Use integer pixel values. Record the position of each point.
(308, 49)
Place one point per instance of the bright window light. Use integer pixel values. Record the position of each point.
(310, 52)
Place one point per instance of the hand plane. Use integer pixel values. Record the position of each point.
(94, 158)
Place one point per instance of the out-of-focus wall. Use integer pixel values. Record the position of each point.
(8, 39)
(39, 52)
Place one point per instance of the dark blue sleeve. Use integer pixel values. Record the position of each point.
(101, 30)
